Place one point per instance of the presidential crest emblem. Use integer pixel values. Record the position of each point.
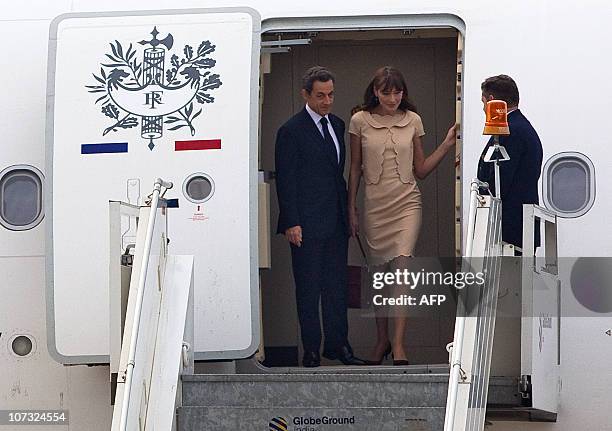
(135, 89)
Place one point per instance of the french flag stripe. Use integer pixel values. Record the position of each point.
(202, 144)
(115, 147)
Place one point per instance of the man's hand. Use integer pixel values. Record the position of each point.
(294, 235)
(354, 222)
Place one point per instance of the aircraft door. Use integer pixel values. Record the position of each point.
(133, 96)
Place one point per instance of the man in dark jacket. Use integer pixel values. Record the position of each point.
(312, 197)
(519, 175)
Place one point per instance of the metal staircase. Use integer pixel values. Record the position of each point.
(409, 398)
(412, 398)
(243, 394)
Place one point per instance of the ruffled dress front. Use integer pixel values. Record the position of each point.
(392, 199)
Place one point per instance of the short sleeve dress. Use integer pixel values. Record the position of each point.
(392, 200)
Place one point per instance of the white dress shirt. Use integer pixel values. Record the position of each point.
(317, 120)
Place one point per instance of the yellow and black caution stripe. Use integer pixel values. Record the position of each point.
(278, 424)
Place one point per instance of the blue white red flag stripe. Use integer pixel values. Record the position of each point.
(201, 144)
(115, 147)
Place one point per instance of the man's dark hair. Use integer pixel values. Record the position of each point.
(501, 87)
(316, 73)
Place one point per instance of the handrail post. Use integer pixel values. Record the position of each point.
(457, 349)
(159, 183)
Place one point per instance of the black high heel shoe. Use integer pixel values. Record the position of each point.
(385, 354)
(400, 362)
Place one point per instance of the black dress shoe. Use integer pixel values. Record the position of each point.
(345, 355)
(311, 359)
(335, 353)
(329, 354)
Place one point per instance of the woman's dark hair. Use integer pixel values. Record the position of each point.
(387, 78)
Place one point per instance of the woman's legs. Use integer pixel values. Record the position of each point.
(382, 335)
(399, 312)
(382, 325)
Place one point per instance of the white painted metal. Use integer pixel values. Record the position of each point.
(456, 351)
(134, 325)
(146, 326)
(36, 381)
(501, 155)
(475, 322)
(541, 306)
(122, 218)
(159, 323)
(486, 304)
(218, 232)
(22, 120)
(175, 331)
(535, 53)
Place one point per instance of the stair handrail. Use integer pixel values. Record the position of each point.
(456, 350)
(129, 371)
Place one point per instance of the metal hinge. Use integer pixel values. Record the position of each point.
(525, 387)
(127, 259)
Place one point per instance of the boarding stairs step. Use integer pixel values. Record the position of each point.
(411, 402)
(384, 398)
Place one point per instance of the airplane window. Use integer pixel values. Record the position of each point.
(198, 188)
(569, 184)
(20, 197)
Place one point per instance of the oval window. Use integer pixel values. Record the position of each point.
(21, 197)
(198, 188)
(569, 184)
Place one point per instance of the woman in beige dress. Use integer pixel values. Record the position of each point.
(386, 149)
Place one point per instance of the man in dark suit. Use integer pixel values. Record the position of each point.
(312, 198)
(519, 175)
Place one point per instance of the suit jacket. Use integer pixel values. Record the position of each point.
(309, 179)
(519, 176)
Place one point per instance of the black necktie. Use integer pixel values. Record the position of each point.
(328, 138)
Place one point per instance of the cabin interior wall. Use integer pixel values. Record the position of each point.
(429, 66)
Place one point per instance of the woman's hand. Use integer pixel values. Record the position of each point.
(354, 222)
(451, 136)
(422, 165)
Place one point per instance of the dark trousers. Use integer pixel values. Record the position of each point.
(320, 273)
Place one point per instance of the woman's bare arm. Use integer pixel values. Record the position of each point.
(424, 166)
